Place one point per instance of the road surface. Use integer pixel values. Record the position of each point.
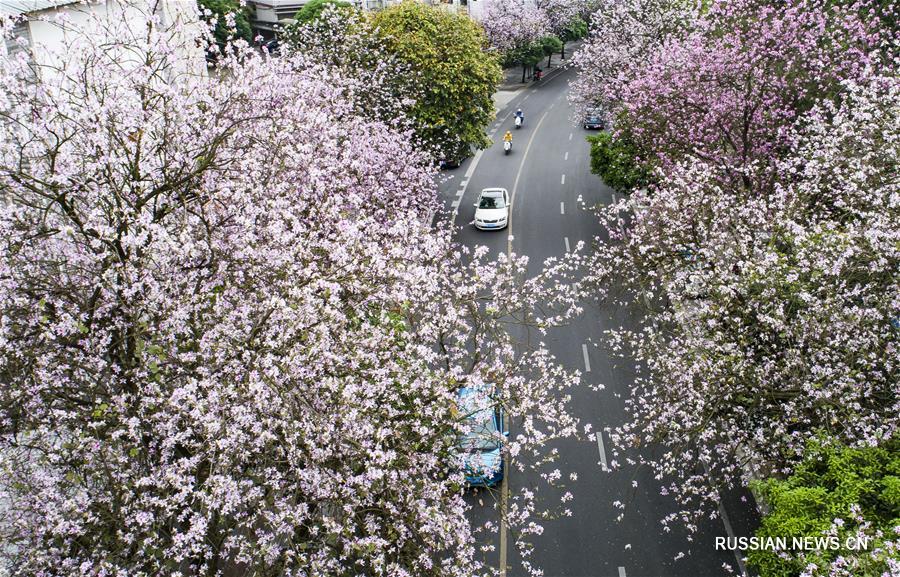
(548, 172)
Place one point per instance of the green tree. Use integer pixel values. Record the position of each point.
(526, 56)
(220, 9)
(459, 76)
(313, 9)
(550, 45)
(575, 30)
(614, 158)
(855, 486)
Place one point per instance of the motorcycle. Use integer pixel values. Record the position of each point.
(518, 122)
(507, 146)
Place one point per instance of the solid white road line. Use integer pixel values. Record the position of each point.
(565, 238)
(587, 359)
(603, 465)
(622, 572)
(567, 156)
(563, 181)
(562, 208)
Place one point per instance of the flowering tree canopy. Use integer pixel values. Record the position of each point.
(765, 246)
(777, 316)
(342, 40)
(561, 13)
(228, 342)
(623, 35)
(727, 90)
(513, 24)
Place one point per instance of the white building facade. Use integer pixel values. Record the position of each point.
(41, 24)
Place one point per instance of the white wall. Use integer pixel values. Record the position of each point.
(49, 32)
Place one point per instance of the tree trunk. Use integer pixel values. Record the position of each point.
(562, 53)
(524, 68)
(549, 57)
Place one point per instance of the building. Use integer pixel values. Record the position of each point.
(38, 26)
(269, 15)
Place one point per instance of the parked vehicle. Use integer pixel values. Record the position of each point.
(594, 118)
(481, 448)
(492, 209)
(453, 158)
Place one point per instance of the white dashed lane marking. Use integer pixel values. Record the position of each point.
(562, 208)
(567, 244)
(602, 450)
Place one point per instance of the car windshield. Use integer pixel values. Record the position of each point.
(492, 202)
(482, 435)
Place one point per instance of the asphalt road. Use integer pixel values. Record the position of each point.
(548, 171)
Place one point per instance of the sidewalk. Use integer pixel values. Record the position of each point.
(512, 83)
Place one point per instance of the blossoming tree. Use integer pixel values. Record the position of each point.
(228, 341)
(514, 28)
(764, 253)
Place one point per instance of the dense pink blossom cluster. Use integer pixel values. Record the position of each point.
(561, 13)
(228, 339)
(513, 24)
(766, 252)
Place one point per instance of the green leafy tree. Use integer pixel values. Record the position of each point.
(459, 76)
(839, 491)
(550, 45)
(312, 10)
(614, 158)
(575, 30)
(526, 56)
(220, 10)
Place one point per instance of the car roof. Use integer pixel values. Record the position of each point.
(492, 191)
(470, 399)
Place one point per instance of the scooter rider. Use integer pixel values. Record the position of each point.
(520, 117)
(507, 142)
(507, 137)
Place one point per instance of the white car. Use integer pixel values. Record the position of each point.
(492, 209)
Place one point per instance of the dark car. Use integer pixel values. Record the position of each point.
(594, 118)
(453, 158)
